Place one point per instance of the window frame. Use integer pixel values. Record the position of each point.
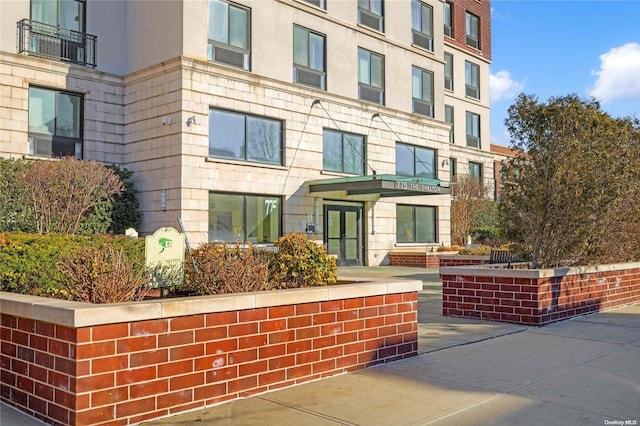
(416, 159)
(421, 37)
(213, 44)
(245, 142)
(448, 29)
(81, 28)
(343, 136)
(453, 169)
(320, 4)
(51, 140)
(301, 68)
(472, 40)
(421, 102)
(473, 140)
(473, 167)
(244, 226)
(367, 86)
(448, 71)
(448, 108)
(365, 13)
(413, 239)
(472, 80)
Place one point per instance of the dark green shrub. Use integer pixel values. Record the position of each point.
(125, 212)
(101, 275)
(301, 262)
(224, 268)
(16, 213)
(28, 262)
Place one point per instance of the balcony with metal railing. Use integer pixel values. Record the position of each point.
(54, 42)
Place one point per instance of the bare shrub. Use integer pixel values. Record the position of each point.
(101, 275)
(224, 268)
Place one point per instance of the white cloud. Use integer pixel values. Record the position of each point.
(618, 77)
(502, 87)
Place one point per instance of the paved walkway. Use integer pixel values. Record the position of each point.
(584, 371)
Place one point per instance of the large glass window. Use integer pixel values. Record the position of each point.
(473, 25)
(422, 24)
(448, 71)
(55, 123)
(448, 19)
(240, 217)
(473, 130)
(415, 224)
(448, 118)
(309, 58)
(229, 34)
(67, 14)
(245, 137)
(370, 76)
(343, 152)
(472, 80)
(475, 171)
(371, 14)
(422, 86)
(415, 161)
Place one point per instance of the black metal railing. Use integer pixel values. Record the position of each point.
(53, 42)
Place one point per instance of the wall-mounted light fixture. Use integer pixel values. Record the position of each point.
(445, 162)
(191, 120)
(166, 120)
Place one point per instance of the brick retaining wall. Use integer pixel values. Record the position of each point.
(139, 361)
(433, 260)
(537, 297)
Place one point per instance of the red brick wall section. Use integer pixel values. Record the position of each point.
(538, 301)
(424, 260)
(480, 8)
(130, 372)
(463, 261)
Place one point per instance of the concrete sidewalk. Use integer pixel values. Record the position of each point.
(583, 371)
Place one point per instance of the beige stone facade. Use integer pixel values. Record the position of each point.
(148, 103)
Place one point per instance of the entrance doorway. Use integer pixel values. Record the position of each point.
(343, 233)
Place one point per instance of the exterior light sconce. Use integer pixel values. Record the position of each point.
(191, 120)
(445, 162)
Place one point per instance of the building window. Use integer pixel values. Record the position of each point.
(56, 30)
(55, 123)
(448, 118)
(317, 3)
(309, 58)
(422, 84)
(422, 24)
(448, 71)
(448, 19)
(415, 161)
(370, 76)
(371, 14)
(245, 137)
(229, 34)
(472, 80)
(473, 130)
(415, 224)
(453, 170)
(475, 172)
(240, 217)
(343, 152)
(473, 24)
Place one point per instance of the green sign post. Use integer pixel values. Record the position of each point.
(164, 256)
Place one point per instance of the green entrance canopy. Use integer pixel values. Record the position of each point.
(378, 186)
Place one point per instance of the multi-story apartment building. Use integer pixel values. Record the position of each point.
(249, 119)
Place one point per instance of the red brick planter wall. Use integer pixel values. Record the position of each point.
(433, 260)
(127, 372)
(537, 297)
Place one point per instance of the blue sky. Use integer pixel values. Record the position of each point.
(553, 48)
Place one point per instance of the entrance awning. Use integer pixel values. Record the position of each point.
(377, 186)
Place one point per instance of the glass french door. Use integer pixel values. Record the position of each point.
(343, 233)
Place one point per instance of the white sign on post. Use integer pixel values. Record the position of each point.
(164, 256)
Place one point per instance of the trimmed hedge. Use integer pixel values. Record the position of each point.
(29, 262)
